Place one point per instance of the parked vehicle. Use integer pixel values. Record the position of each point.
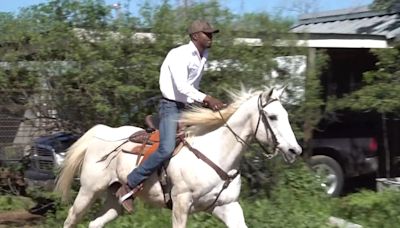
(47, 154)
(336, 159)
(345, 147)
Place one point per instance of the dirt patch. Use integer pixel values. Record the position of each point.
(19, 218)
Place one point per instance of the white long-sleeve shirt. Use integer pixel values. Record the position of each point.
(181, 73)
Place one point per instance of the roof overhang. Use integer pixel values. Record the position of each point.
(342, 41)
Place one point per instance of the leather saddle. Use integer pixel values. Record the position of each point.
(149, 140)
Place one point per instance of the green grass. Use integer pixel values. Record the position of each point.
(294, 200)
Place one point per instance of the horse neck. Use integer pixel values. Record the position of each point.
(238, 128)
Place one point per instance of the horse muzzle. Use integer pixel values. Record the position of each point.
(290, 154)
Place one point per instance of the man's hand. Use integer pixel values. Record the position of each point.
(213, 103)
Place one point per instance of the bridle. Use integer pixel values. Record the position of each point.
(262, 116)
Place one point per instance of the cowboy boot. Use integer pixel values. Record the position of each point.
(126, 195)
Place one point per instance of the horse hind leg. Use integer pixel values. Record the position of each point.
(231, 214)
(82, 202)
(111, 210)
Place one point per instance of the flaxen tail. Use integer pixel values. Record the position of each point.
(73, 162)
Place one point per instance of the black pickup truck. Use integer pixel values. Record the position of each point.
(46, 154)
(338, 159)
(344, 147)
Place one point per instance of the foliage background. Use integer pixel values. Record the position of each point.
(82, 57)
(85, 58)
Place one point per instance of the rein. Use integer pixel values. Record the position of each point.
(221, 173)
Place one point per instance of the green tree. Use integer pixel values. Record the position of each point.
(92, 70)
(385, 4)
(96, 73)
(381, 90)
(85, 61)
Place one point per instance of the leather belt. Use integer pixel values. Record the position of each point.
(178, 103)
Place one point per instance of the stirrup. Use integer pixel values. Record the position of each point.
(126, 196)
(130, 194)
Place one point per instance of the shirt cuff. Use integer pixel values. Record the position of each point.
(201, 97)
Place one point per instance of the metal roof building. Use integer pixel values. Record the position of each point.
(358, 27)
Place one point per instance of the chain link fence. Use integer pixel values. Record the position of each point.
(20, 124)
(12, 147)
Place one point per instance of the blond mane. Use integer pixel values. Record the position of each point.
(202, 120)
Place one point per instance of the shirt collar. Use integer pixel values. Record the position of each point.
(194, 50)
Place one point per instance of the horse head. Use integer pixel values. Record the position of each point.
(273, 127)
(270, 123)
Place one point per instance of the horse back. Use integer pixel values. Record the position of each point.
(116, 134)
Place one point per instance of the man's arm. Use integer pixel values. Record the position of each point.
(179, 74)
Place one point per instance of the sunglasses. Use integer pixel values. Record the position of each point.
(208, 34)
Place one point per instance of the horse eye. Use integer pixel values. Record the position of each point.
(272, 117)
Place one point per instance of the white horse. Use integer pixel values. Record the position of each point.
(196, 186)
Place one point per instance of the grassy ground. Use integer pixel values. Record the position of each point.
(14, 212)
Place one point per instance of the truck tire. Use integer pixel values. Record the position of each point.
(329, 172)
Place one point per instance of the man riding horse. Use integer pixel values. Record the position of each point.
(180, 77)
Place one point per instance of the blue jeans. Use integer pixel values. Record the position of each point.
(169, 113)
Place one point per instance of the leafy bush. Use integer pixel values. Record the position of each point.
(371, 209)
(9, 202)
(297, 200)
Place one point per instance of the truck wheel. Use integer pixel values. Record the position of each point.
(329, 172)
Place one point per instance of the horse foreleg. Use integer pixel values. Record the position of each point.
(180, 210)
(231, 214)
(81, 204)
(111, 210)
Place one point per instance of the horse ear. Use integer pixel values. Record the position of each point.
(267, 95)
(274, 93)
(280, 91)
(271, 91)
